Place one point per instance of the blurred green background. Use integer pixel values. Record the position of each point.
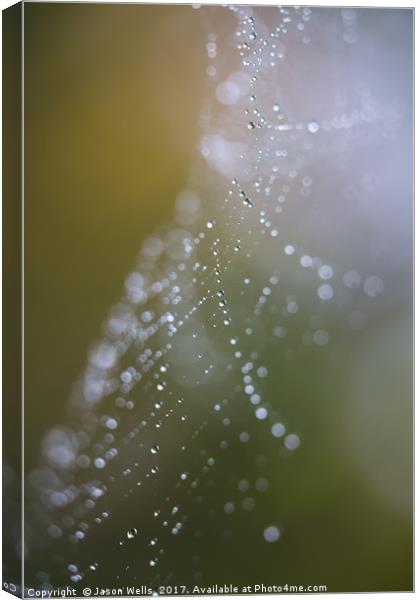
(111, 122)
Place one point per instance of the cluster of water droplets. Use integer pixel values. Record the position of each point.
(180, 370)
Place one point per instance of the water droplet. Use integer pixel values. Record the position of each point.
(271, 534)
(313, 127)
(261, 485)
(248, 503)
(325, 292)
(373, 286)
(278, 430)
(321, 337)
(72, 568)
(243, 485)
(244, 437)
(132, 533)
(99, 463)
(292, 441)
(325, 272)
(306, 261)
(261, 413)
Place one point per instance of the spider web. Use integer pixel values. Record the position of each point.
(177, 384)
